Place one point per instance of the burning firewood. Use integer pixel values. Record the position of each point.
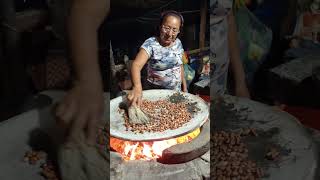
(131, 150)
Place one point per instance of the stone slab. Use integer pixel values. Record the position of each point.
(153, 170)
(188, 151)
(206, 156)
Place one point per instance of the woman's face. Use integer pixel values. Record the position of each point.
(169, 30)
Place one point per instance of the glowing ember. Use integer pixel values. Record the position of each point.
(148, 150)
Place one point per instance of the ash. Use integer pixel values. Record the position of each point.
(180, 98)
(177, 98)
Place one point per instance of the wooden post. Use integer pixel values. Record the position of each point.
(203, 16)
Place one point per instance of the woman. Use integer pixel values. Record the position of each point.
(164, 56)
(225, 50)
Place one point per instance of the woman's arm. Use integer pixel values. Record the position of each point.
(82, 108)
(83, 23)
(138, 63)
(183, 80)
(235, 61)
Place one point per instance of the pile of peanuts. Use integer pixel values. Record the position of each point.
(163, 115)
(230, 157)
(32, 157)
(47, 169)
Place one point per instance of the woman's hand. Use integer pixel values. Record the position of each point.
(81, 110)
(135, 96)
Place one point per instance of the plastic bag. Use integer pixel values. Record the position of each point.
(255, 39)
(189, 74)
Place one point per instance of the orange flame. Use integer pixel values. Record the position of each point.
(148, 150)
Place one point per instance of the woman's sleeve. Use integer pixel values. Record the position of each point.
(181, 50)
(147, 46)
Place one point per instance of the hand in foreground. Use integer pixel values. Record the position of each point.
(81, 110)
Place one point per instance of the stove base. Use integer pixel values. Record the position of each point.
(197, 169)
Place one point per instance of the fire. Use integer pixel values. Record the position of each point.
(148, 150)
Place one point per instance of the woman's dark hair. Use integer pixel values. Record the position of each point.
(164, 15)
